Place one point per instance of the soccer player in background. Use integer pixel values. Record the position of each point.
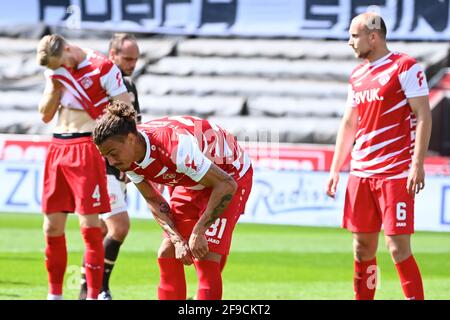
(210, 176)
(387, 126)
(79, 84)
(124, 52)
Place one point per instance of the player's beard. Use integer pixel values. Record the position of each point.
(364, 54)
(128, 73)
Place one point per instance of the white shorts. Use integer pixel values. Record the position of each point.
(117, 196)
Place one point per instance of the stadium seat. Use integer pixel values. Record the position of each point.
(20, 100)
(199, 106)
(256, 67)
(296, 87)
(239, 86)
(295, 107)
(24, 122)
(292, 130)
(270, 48)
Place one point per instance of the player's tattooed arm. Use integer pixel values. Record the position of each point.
(160, 210)
(223, 189)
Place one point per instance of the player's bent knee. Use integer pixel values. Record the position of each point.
(118, 233)
(166, 250)
(118, 226)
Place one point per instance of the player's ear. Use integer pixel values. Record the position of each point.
(131, 139)
(112, 54)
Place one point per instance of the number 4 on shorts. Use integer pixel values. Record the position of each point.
(96, 193)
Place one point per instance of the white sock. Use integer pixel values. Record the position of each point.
(55, 297)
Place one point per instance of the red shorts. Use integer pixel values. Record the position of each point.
(75, 178)
(188, 206)
(372, 202)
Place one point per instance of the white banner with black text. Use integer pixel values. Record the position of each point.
(405, 19)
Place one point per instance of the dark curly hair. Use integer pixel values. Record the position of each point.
(118, 120)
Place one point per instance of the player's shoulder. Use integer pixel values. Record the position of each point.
(159, 130)
(99, 60)
(403, 60)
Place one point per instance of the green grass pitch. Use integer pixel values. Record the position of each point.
(266, 262)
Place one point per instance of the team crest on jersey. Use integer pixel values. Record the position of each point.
(384, 79)
(167, 176)
(86, 83)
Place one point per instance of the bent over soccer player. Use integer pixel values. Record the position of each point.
(211, 177)
(79, 85)
(388, 123)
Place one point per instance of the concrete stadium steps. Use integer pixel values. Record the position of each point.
(426, 52)
(17, 46)
(15, 67)
(191, 105)
(20, 100)
(292, 130)
(154, 47)
(270, 48)
(31, 83)
(256, 67)
(29, 122)
(247, 87)
(295, 107)
(18, 56)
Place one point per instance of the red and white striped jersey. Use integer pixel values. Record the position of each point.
(180, 151)
(91, 85)
(386, 125)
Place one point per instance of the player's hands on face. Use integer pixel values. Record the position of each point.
(183, 253)
(416, 179)
(198, 245)
(332, 185)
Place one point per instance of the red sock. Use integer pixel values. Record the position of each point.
(94, 260)
(172, 283)
(410, 279)
(365, 279)
(55, 262)
(209, 280)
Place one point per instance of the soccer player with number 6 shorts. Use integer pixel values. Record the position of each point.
(210, 177)
(387, 126)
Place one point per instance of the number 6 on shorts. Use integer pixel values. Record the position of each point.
(401, 211)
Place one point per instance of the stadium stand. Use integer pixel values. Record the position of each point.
(296, 88)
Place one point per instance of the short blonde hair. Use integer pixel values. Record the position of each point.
(118, 39)
(50, 46)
